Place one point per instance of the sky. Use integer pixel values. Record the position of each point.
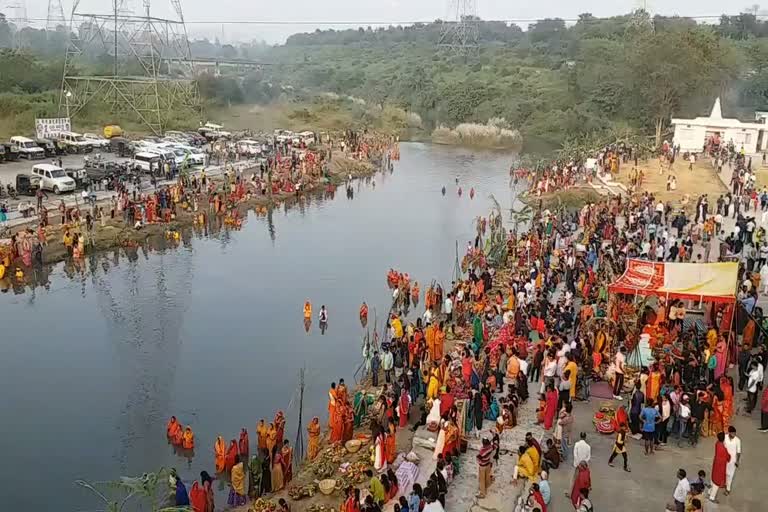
(314, 14)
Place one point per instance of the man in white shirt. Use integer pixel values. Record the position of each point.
(427, 317)
(660, 252)
(582, 452)
(684, 414)
(733, 445)
(681, 490)
(448, 308)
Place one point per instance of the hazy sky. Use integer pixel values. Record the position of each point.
(381, 11)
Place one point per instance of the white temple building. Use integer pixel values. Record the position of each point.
(693, 134)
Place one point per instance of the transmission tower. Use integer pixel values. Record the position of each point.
(461, 32)
(150, 73)
(55, 17)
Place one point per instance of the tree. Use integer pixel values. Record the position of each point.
(667, 68)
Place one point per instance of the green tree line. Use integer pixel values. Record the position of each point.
(552, 81)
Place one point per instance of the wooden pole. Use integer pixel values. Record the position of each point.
(299, 445)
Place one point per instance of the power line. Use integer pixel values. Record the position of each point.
(419, 22)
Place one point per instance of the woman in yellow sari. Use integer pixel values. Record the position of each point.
(313, 438)
(711, 340)
(271, 437)
(237, 490)
(434, 383)
(261, 434)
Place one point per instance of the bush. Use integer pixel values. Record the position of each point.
(491, 135)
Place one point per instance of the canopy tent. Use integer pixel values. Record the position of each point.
(711, 282)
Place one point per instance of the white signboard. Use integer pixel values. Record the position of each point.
(51, 128)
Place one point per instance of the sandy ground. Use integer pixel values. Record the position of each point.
(701, 180)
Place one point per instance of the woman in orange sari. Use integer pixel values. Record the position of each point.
(188, 439)
(220, 450)
(313, 438)
(653, 386)
(716, 415)
(439, 346)
(726, 386)
(337, 423)
(332, 395)
(391, 442)
(172, 428)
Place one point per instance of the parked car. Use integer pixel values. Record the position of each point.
(97, 142)
(53, 178)
(27, 184)
(28, 148)
(145, 162)
(48, 146)
(74, 143)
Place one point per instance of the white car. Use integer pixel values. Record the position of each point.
(248, 147)
(28, 148)
(96, 141)
(53, 178)
(74, 142)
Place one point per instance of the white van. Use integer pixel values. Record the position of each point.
(53, 177)
(28, 148)
(145, 161)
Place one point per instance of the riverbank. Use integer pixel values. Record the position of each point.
(115, 233)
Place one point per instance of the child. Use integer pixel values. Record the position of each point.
(448, 468)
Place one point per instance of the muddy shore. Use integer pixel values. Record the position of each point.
(115, 234)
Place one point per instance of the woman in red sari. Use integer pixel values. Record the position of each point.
(352, 503)
(550, 408)
(244, 444)
(391, 442)
(229, 460)
(718, 465)
(582, 480)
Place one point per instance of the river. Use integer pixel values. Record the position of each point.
(93, 364)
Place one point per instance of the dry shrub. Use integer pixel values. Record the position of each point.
(495, 134)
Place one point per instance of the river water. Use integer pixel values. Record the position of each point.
(93, 364)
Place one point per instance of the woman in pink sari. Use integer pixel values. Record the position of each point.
(722, 356)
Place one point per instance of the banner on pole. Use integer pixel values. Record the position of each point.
(51, 128)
